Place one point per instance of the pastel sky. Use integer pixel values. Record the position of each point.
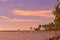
(23, 14)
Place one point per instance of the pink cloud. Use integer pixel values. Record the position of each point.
(4, 0)
(7, 19)
(43, 13)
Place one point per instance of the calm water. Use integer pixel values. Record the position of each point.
(26, 35)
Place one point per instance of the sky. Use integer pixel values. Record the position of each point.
(23, 14)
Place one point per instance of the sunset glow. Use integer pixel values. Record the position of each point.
(23, 14)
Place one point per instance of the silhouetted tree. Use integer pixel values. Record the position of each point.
(37, 29)
(18, 30)
(57, 15)
(31, 28)
(56, 22)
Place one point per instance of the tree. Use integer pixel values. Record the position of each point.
(57, 15)
(57, 0)
(48, 26)
(37, 29)
(56, 22)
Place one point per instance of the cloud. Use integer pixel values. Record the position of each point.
(4, 0)
(44, 13)
(7, 19)
(4, 17)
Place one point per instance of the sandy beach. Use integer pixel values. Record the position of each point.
(26, 35)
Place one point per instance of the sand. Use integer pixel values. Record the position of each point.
(26, 35)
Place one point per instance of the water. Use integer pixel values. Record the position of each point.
(26, 35)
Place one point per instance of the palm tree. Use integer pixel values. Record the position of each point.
(57, 17)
